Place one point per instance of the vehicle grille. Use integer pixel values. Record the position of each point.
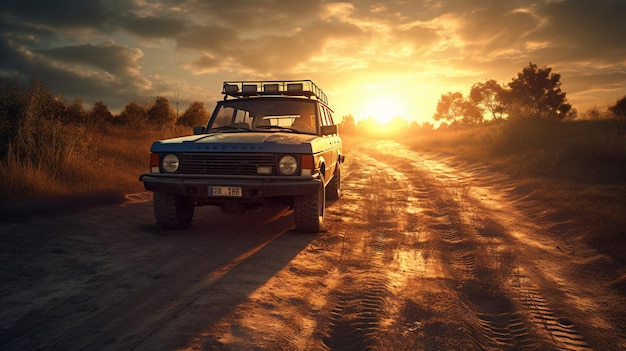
(227, 164)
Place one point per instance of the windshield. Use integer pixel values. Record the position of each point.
(265, 115)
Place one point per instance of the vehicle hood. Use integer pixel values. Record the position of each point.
(252, 142)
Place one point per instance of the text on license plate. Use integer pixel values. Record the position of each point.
(225, 191)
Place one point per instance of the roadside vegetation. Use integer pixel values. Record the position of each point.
(56, 155)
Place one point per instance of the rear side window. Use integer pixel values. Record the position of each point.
(326, 117)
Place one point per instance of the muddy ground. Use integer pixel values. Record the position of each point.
(422, 252)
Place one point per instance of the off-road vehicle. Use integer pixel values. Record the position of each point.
(265, 142)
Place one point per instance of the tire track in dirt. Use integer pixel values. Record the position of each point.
(561, 329)
(499, 317)
(490, 316)
(518, 314)
(402, 254)
(359, 300)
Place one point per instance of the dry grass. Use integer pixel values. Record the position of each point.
(56, 166)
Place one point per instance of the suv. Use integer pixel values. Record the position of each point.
(266, 141)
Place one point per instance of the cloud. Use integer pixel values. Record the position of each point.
(252, 16)
(207, 38)
(206, 64)
(586, 29)
(106, 71)
(125, 49)
(154, 27)
(63, 15)
(108, 56)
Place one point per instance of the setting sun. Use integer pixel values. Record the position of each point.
(382, 108)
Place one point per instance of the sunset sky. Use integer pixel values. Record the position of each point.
(378, 58)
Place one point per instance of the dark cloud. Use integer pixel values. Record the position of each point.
(261, 14)
(586, 29)
(12, 62)
(66, 14)
(108, 57)
(105, 71)
(154, 27)
(207, 38)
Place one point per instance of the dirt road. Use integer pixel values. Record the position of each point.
(423, 252)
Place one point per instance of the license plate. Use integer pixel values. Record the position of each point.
(231, 191)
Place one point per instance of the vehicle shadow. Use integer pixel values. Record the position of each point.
(238, 254)
(108, 278)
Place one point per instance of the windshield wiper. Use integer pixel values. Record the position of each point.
(278, 127)
(230, 128)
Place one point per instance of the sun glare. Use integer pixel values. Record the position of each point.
(383, 108)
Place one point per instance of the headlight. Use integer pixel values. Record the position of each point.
(288, 165)
(170, 163)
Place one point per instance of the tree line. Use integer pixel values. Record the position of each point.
(534, 94)
(22, 108)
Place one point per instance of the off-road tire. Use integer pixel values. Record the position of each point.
(308, 210)
(333, 189)
(173, 211)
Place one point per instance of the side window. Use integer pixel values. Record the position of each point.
(323, 116)
(330, 117)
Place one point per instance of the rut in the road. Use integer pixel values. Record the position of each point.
(498, 313)
(355, 317)
(491, 317)
(495, 315)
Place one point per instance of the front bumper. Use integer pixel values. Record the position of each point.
(252, 188)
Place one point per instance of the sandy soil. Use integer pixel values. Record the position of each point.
(422, 252)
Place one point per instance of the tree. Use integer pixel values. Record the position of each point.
(195, 115)
(161, 113)
(133, 114)
(178, 96)
(13, 98)
(489, 96)
(536, 93)
(472, 114)
(452, 107)
(42, 104)
(100, 114)
(449, 107)
(619, 109)
(347, 124)
(75, 113)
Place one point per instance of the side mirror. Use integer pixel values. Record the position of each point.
(198, 130)
(329, 130)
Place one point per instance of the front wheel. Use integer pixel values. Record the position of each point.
(333, 190)
(173, 211)
(309, 210)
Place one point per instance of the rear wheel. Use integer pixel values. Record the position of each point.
(173, 211)
(309, 210)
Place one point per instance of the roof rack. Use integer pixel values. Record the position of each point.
(274, 87)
